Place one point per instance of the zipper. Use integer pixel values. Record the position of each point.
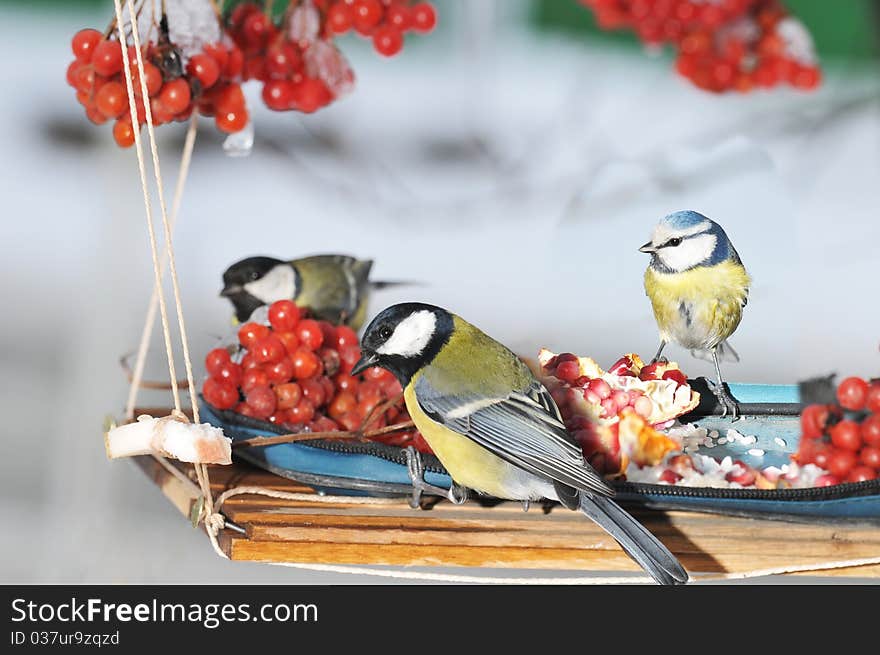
(396, 455)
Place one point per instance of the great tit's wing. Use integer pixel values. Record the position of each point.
(523, 428)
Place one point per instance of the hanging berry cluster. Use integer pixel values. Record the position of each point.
(201, 67)
(721, 45)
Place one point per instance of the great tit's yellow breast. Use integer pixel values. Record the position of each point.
(700, 307)
(469, 464)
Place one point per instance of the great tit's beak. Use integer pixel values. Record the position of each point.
(367, 360)
(648, 248)
(231, 290)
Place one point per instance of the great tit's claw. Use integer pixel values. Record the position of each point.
(727, 402)
(416, 468)
(660, 360)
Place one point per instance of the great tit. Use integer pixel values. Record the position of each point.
(698, 288)
(335, 288)
(494, 426)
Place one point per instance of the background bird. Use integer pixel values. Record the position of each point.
(698, 288)
(335, 288)
(493, 425)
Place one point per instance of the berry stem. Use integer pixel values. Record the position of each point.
(312, 436)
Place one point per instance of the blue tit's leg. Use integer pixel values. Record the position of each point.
(660, 352)
(727, 401)
(456, 494)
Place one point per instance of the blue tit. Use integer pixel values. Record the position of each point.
(335, 288)
(698, 288)
(494, 426)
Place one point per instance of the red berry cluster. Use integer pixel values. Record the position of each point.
(300, 69)
(722, 45)
(384, 21)
(844, 438)
(296, 372)
(98, 75)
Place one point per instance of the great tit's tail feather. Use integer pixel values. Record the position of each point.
(725, 351)
(635, 539)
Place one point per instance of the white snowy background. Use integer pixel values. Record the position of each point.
(514, 174)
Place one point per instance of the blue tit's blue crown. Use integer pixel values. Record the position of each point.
(682, 220)
(688, 219)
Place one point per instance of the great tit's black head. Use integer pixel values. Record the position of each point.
(257, 281)
(403, 338)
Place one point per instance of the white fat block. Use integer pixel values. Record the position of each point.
(197, 443)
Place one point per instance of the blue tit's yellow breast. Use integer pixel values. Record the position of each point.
(700, 307)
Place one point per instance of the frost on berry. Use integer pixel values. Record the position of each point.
(192, 24)
(304, 24)
(324, 61)
(798, 41)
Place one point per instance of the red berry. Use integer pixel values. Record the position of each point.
(231, 121)
(123, 132)
(288, 395)
(283, 60)
(253, 377)
(861, 474)
(310, 333)
(175, 95)
(872, 402)
(852, 393)
(846, 435)
(600, 387)
(345, 382)
(349, 356)
(345, 336)
(111, 99)
(424, 18)
(311, 94)
(107, 58)
(204, 68)
(339, 18)
(221, 395)
(228, 372)
(290, 341)
(367, 14)
(841, 462)
(215, 359)
(669, 476)
(83, 44)
(827, 480)
(305, 363)
(314, 391)
(283, 315)
(250, 333)
(267, 350)
(344, 402)
(813, 421)
(330, 359)
(229, 99)
(152, 76)
(256, 28)
(278, 94)
(217, 52)
(262, 401)
(387, 40)
(870, 430)
(399, 16)
(870, 456)
(280, 371)
(303, 412)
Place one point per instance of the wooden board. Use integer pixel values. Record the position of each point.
(503, 536)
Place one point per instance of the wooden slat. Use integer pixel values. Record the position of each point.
(503, 536)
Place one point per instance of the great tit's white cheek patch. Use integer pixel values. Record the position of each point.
(411, 335)
(278, 284)
(690, 252)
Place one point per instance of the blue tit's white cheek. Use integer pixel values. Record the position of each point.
(411, 335)
(691, 252)
(278, 284)
(664, 232)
